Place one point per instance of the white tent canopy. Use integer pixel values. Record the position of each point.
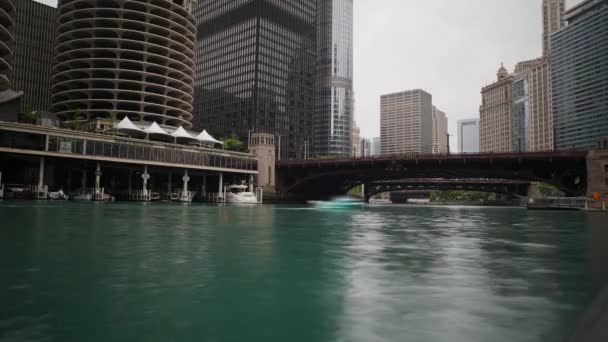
(206, 138)
(181, 133)
(154, 131)
(126, 126)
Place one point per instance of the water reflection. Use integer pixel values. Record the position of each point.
(125, 272)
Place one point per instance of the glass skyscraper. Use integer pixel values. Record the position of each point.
(333, 113)
(580, 77)
(255, 70)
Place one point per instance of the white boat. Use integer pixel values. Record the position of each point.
(83, 196)
(58, 195)
(240, 194)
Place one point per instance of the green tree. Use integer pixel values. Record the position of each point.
(233, 143)
(75, 119)
(27, 115)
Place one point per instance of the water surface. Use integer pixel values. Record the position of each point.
(163, 272)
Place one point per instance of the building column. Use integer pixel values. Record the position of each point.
(250, 183)
(41, 174)
(186, 179)
(83, 179)
(169, 189)
(221, 186)
(98, 179)
(1, 186)
(130, 182)
(204, 187)
(145, 177)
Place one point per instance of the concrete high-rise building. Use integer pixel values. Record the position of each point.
(579, 66)
(495, 124)
(366, 148)
(255, 70)
(520, 119)
(356, 141)
(33, 53)
(406, 120)
(541, 111)
(553, 21)
(128, 58)
(333, 114)
(468, 136)
(9, 99)
(376, 146)
(440, 131)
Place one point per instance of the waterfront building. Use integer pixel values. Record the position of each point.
(406, 120)
(125, 59)
(9, 99)
(468, 136)
(520, 119)
(553, 21)
(495, 124)
(33, 54)
(366, 148)
(440, 131)
(333, 112)
(356, 141)
(579, 66)
(376, 146)
(255, 70)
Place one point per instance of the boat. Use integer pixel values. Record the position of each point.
(58, 195)
(240, 194)
(338, 203)
(82, 196)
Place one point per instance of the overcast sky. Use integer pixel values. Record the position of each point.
(448, 48)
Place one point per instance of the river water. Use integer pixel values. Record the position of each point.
(162, 272)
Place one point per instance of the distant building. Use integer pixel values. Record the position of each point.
(366, 148)
(495, 131)
(579, 66)
(33, 53)
(356, 141)
(553, 21)
(440, 131)
(9, 99)
(376, 146)
(333, 112)
(468, 136)
(255, 70)
(520, 119)
(406, 120)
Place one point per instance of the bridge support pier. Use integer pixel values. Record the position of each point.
(597, 179)
(41, 189)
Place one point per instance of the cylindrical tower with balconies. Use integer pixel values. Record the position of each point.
(7, 25)
(133, 58)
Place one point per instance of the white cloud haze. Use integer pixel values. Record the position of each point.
(449, 48)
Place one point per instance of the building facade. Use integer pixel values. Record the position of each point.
(553, 21)
(355, 139)
(255, 70)
(376, 146)
(9, 99)
(333, 112)
(440, 131)
(406, 120)
(541, 110)
(495, 113)
(520, 119)
(579, 67)
(366, 148)
(468, 136)
(33, 53)
(130, 59)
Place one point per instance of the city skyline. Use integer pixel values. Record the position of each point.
(455, 59)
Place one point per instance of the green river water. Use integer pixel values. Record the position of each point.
(91, 272)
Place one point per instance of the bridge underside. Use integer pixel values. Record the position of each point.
(321, 179)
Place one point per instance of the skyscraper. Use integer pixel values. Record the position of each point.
(333, 112)
(255, 70)
(553, 21)
(580, 77)
(129, 58)
(33, 53)
(355, 141)
(468, 136)
(495, 124)
(8, 98)
(440, 131)
(406, 120)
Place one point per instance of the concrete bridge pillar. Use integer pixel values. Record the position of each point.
(597, 179)
(40, 190)
(221, 185)
(250, 183)
(145, 177)
(186, 180)
(98, 179)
